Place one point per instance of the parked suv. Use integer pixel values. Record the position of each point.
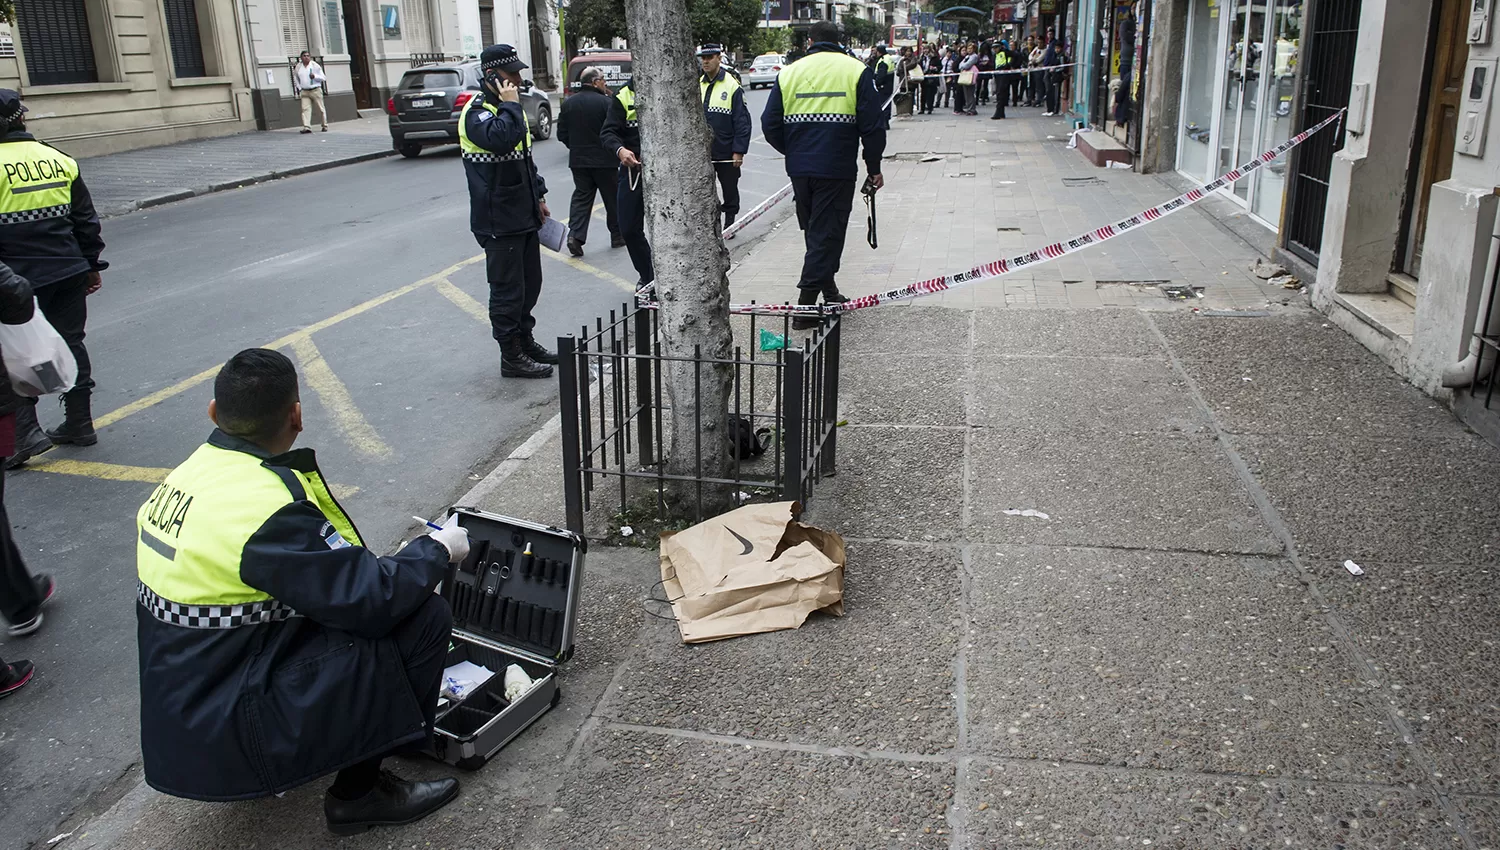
(424, 110)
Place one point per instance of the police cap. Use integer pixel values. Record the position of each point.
(502, 57)
(11, 107)
(710, 49)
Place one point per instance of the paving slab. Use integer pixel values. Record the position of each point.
(1401, 498)
(1158, 491)
(893, 483)
(1296, 336)
(903, 391)
(1167, 661)
(1038, 806)
(640, 792)
(879, 677)
(1089, 332)
(902, 331)
(1285, 396)
(1482, 815)
(1430, 632)
(1078, 395)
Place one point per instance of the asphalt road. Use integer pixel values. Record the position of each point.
(402, 398)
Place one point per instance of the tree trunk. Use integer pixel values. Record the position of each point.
(692, 264)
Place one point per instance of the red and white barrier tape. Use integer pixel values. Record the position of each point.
(760, 209)
(1051, 252)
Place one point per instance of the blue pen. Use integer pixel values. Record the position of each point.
(429, 523)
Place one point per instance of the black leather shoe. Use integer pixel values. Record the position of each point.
(516, 363)
(575, 247)
(538, 352)
(617, 241)
(393, 802)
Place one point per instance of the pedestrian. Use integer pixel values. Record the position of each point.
(1036, 87)
(820, 112)
(728, 118)
(622, 134)
(1016, 63)
(1051, 58)
(507, 205)
(593, 166)
(309, 80)
(21, 595)
(932, 70)
(275, 648)
(968, 76)
(950, 77)
(985, 66)
(49, 234)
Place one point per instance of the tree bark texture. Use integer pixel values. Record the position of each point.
(692, 263)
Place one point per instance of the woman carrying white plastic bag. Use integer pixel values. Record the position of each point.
(21, 594)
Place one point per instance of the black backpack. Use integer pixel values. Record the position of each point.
(745, 439)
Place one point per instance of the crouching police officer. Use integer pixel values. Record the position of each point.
(49, 234)
(507, 203)
(274, 647)
(729, 121)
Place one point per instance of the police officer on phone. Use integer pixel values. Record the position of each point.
(507, 204)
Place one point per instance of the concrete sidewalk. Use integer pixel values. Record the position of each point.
(125, 182)
(1173, 656)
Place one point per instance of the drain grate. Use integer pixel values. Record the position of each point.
(1008, 229)
(962, 174)
(919, 156)
(1082, 181)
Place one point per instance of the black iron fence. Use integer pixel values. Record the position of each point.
(616, 421)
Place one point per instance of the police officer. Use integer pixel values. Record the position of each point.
(1003, 57)
(729, 121)
(507, 203)
(622, 134)
(274, 647)
(49, 234)
(821, 109)
(885, 76)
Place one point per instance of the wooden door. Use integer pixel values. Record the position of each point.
(1440, 128)
(359, 62)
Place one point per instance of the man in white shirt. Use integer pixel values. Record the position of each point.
(309, 79)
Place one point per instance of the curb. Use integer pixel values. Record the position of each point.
(251, 180)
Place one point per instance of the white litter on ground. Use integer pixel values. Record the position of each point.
(1026, 512)
(1353, 568)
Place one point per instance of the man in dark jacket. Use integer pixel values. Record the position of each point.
(593, 166)
(274, 647)
(729, 122)
(49, 234)
(821, 110)
(622, 134)
(507, 203)
(21, 594)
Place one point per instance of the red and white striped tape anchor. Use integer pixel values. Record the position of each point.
(1051, 252)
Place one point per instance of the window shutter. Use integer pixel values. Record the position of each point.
(415, 31)
(55, 38)
(183, 36)
(486, 26)
(293, 27)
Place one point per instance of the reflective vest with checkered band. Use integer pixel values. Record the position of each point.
(723, 97)
(821, 87)
(626, 97)
(192, 532)
(38, 182)
(472, 151)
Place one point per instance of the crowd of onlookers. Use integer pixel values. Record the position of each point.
(963, 74)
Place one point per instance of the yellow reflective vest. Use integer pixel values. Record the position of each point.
(48, 228)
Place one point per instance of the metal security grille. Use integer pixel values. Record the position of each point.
(55, 38)
(293, 27)
(183, 36)
(1325, 90)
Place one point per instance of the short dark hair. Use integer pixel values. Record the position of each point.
(826, 31)
(253, 393)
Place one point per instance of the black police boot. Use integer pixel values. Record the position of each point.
(536, 351)
(804, 298)
(516, 363)
(729, 218)
(394, 801)
(831, 294)
(78, 422)
(31, 440)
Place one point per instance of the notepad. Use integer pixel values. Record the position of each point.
(553, 233)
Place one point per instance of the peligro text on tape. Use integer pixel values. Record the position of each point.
(1047, 254)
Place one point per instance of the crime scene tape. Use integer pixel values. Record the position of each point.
(1051, 252)
(760, 210)
(906, 78)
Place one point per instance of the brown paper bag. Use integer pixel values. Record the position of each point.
(755, 569)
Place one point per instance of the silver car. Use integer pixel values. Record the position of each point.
(425, 108)
(763, 70)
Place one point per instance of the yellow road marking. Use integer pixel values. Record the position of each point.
(121, 472)
(603, 275)
(464, 301)
(335, 396)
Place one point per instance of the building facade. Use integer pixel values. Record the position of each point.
(106, 75)
(1390, 216)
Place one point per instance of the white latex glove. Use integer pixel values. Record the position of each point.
(454, 538)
